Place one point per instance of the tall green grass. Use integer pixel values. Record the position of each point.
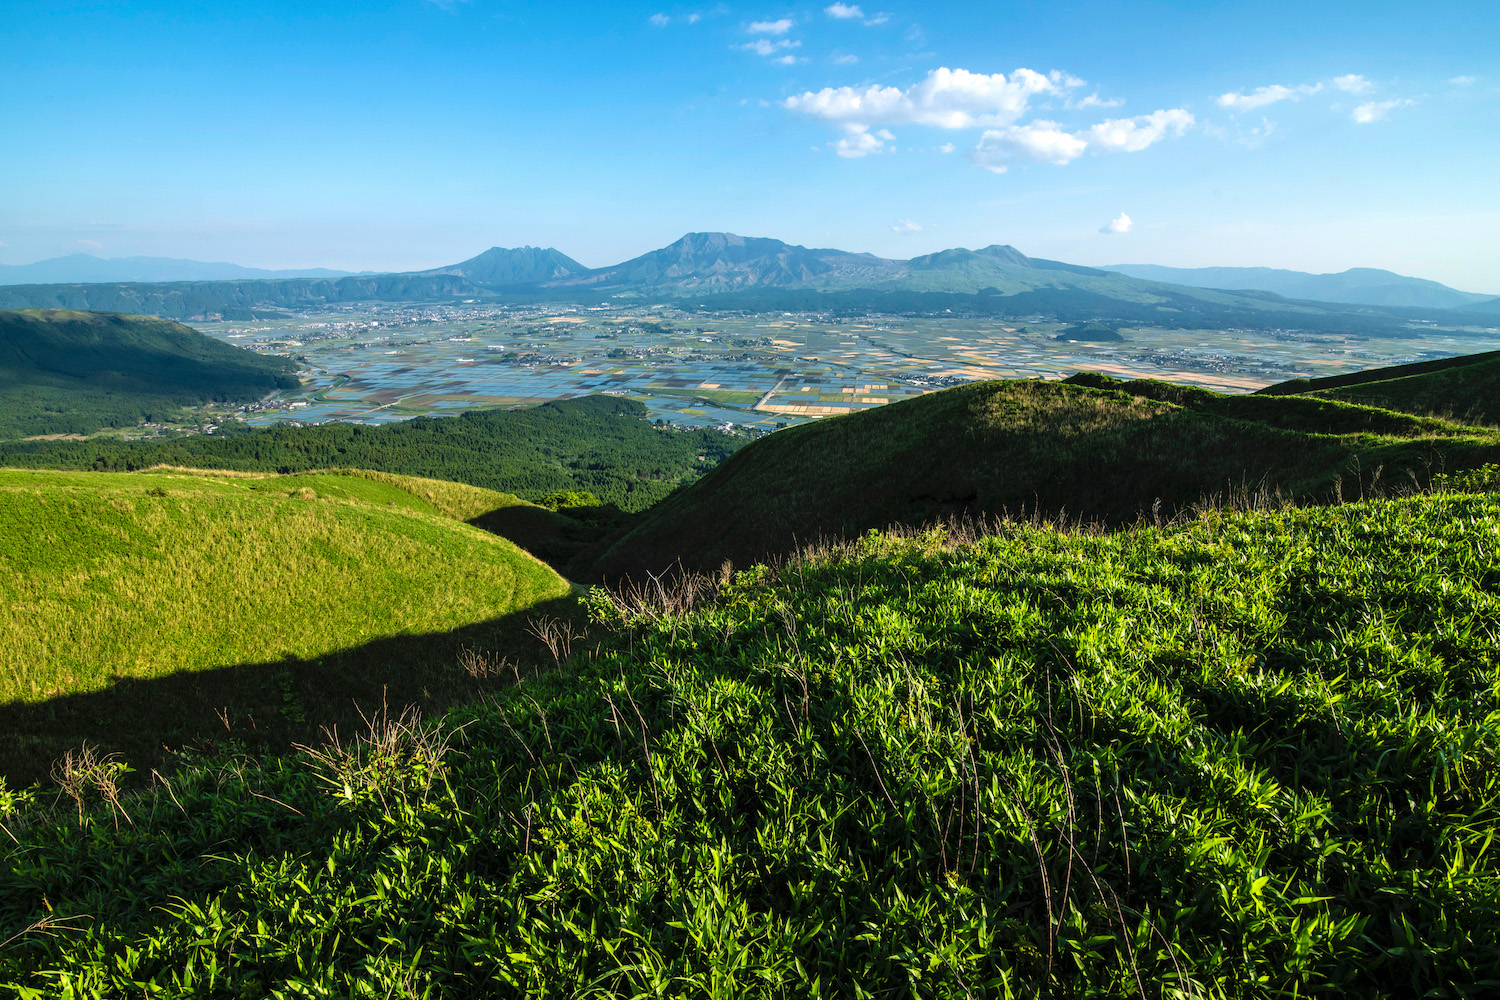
(1252, 755)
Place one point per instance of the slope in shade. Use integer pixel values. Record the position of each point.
(1466, 387)
(1107, 452)
(74, 372)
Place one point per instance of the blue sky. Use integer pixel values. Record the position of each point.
(408, 133)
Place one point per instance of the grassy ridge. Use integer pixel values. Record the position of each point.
(1251, 756)
(1466, 387)
(1102, 450)
(68, 372)
(116, 580)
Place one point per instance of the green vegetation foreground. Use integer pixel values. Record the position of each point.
(1255, 755)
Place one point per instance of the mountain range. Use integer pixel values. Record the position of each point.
(82, 267)
(1361, 285)
(724, 270)
(702, 262)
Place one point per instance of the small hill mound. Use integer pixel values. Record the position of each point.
(1468, 387)
(502, 267)
(1091, 332)
(1105, 450)
(69, 372)
(188, 584)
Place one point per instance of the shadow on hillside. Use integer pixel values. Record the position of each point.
(561, 540)
(265, 707)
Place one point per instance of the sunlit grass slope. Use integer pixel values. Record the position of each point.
(1251, 756)
(106, 576)
(1466, 387)
(1097, 449)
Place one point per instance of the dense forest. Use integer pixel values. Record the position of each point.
(66, 372)
(600, 444)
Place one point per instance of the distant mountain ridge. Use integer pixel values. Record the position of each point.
(1358, 285)
(729, 271)
(82, 267)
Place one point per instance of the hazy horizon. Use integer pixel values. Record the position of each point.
(412, 134)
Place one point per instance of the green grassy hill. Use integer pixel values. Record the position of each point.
(1100, 450)
(129, 603)
(1466, 387)
(67, 372)
(1251, 756)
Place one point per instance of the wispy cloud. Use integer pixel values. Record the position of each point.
(859, 141)
(907, 226)
(85, 245)
(1095, 101)
(946, 98)
(844, 12)
(1119, 224)
(844, 59)
(778, 27)
(767, 47)
(1374, 111)
(1352, 83)
(1463, 81)
(1261, 96)
(660, 20)
(1048, 142)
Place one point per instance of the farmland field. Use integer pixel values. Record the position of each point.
(374, 364)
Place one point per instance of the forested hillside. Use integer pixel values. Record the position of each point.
(65, 372)
(604, 445)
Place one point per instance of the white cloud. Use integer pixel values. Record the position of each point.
(766, 47)
(906, 226)
(1352, 83)
(860, 142)
(878, 19)
(1042, 141)
(85, 245)
(779, 27)
(1119, 224)
(1261, 96)
(1131, 135)
(1094, 101)
(1048, 142)
(660, 20)
(844, 11)
(1463, 81)
(845, 60)
(1374, 111)
(946, 147)
(786, 60)
(946, 98)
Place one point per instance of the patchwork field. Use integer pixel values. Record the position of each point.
(380, 363)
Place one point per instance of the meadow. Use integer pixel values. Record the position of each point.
(127, 600)
(1249, 755)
